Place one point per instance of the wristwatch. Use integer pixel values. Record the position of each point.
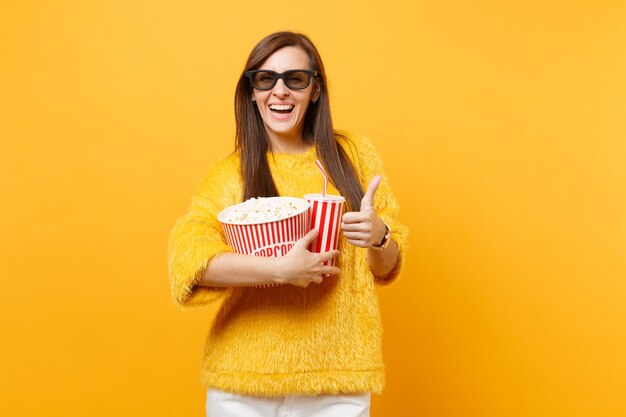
(385, 242)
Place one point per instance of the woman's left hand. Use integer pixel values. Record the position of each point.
(364, 228)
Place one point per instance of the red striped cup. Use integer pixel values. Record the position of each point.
(325, 215)
(266, 238)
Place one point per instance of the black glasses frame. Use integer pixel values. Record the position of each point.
(281, 76)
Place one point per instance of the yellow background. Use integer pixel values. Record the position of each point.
(502, 127)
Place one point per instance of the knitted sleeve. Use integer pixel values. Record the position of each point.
(368, 164)
(197, 238)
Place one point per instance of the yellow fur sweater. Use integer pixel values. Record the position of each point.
(286, 340)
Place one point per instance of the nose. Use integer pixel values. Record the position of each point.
(280, 89)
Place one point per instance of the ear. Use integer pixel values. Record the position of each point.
(316, 93)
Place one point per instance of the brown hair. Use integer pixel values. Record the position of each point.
(251, 138)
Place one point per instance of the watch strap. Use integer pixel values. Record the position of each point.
(383, 243)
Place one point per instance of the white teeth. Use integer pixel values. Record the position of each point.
(281, 106)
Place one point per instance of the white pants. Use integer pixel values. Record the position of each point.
(224, 404)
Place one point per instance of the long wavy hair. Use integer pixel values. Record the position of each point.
(253, 143)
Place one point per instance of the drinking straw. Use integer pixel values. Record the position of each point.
(319, 165)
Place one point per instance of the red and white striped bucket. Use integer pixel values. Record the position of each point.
(269, 238)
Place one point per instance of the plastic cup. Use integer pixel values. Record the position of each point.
(325, 213)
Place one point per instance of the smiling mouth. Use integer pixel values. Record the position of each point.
(281, 108)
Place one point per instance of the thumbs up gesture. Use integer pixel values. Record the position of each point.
(364, 228)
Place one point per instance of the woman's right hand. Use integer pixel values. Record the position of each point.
(300, 267)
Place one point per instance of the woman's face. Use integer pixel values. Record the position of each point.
(281, 108)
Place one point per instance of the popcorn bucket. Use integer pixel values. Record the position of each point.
(267, 230)
(265, 233)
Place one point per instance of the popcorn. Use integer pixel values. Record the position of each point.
(261, 210)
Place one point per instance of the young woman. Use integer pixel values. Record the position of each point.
(313, 350)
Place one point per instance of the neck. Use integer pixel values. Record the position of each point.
(288, 144)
